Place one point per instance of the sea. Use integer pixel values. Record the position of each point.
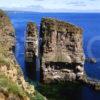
(89, 22)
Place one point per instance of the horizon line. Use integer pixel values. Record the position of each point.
(53, 11)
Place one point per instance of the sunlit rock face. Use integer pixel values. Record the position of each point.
(7, 31)
(12, 82)
(62, 57)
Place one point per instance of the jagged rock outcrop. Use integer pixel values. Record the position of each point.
(8, 64)
(31, 50)
(62, 57)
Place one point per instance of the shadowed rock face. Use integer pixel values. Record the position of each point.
(62, 55)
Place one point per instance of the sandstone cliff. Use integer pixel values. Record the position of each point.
(62, 57)
(12, 82)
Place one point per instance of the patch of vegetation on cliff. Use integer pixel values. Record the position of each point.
(6, 26)
(10, 87)
(4, 61)
(32, 28)
(37, 96)
(59, 25)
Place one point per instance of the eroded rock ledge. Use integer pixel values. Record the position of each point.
(62, 57)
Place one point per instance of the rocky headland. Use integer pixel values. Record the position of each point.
(61, 58)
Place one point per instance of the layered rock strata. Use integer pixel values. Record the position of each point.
(31, 42)
(62, 57)
(31, 50)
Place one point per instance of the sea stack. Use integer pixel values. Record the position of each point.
(62, 57)
(31, 50)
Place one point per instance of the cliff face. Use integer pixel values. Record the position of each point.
(7, 31)
(62, 56)
(12, 83)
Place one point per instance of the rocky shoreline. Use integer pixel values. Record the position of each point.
(61, 57)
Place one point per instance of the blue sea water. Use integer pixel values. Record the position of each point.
(89, 22)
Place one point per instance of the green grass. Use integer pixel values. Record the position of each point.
(4, 60)
(37, 96)
(10, 86)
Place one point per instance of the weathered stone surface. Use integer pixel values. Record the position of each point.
(62, 55)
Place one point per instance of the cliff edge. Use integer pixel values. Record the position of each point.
(12, 82)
